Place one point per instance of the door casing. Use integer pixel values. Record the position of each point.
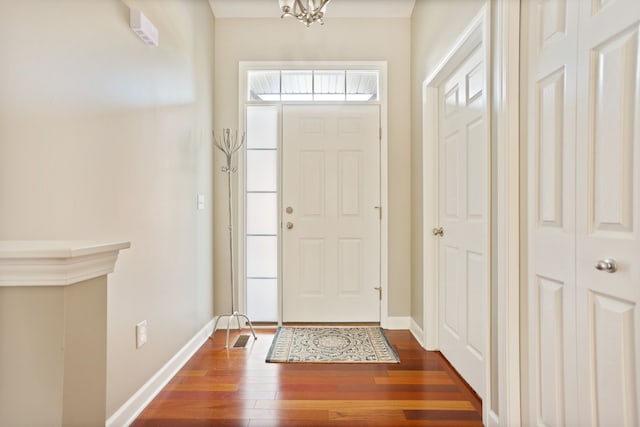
(386, 321)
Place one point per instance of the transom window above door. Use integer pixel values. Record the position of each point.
(313, 85)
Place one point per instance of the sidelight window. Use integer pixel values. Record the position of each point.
(261, 212)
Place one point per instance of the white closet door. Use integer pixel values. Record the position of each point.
(584, 211)
(551, 96)
(608, 218)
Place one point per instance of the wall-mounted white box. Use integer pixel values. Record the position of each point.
(141, 25)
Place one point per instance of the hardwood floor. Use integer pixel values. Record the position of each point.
(235, 387)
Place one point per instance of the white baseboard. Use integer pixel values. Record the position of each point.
(492, 419)
(417, 332)
(395, 323)
(128, 412)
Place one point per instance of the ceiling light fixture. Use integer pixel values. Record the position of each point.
(313, 12)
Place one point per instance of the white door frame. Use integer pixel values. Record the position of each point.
(505, 110)
(386, 321)
(503, 81)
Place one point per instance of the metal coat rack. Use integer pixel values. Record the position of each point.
(229, 144)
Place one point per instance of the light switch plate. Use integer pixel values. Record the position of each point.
(141, 334)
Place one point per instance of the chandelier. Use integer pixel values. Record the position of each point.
(314, 10)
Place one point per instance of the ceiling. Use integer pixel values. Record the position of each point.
(335, 9)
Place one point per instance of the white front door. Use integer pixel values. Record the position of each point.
(584, 198)
(331, 213)
(463, 216)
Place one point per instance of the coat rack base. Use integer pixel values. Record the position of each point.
(231, 316)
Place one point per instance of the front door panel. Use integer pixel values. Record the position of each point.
(330, 215)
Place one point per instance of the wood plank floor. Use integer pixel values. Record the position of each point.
(235, 387)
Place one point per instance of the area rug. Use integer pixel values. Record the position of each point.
(325, 344)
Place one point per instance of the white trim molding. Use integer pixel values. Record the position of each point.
(417, 332)
(128, 412)
(506, 133)
(56, 263)
(396, 323)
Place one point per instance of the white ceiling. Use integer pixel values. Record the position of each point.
(335, 8)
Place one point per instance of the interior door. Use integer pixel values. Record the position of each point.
(584, 216)
(331, 213)
(463, 215)
(608, 214)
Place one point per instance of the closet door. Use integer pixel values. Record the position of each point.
(608, 214)
(583, 118)
(551, 109)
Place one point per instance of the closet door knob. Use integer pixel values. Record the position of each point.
(608, 264)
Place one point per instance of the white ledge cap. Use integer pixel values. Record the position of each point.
(55, 262)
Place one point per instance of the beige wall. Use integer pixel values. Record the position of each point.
(53, 354)
(341, 40)
(103, 137)
(32, 370)
(435, 27)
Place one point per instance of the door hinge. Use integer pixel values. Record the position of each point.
(379, 211)
(379, 289)
(380, 134)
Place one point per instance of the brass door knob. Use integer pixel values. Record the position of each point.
(439, 231)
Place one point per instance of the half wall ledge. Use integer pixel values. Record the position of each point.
(56, 263)
(53, 332)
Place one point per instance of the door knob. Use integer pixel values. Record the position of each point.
(608, 264)
(289, 225)
(439, 231)
(289, 210)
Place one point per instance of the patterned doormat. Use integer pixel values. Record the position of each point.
(322, 344)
